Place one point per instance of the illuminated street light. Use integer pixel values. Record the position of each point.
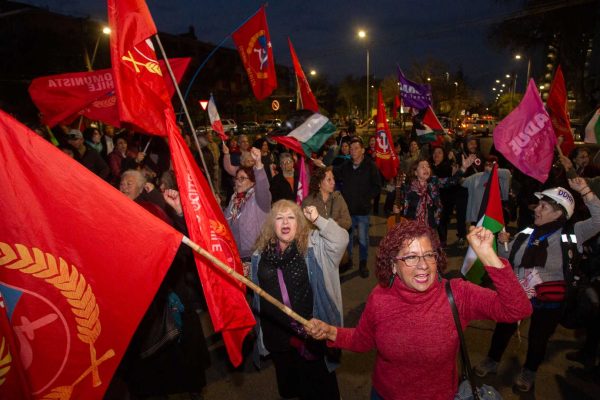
(541, 87)
(494, 89)
(363, 35)
(507, 75)
(517, 56)
(428, 79)
(313, 72)
(90, 62)
(497, 80)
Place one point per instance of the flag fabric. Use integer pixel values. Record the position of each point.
(63, 98)
(396, 107)
(386, 158)
(253, 43)
(309, 136)
(490, 217)
(303, 181)
(592, 129)
(225, 297)
(141, 93)
(526, 138)
(557, 109)
(307, 98)
(414, 94)
(79, 265)
(430, 128)
(215, 120)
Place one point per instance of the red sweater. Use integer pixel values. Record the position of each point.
(415, 336)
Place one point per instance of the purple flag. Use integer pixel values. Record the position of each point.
(413, 94)
(526, 138)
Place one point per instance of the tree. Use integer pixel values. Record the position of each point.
(506, 103)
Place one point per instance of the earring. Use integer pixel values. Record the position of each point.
(392, 280)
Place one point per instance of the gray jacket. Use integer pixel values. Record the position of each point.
(553, 270)
(248, 223)
(326, 247)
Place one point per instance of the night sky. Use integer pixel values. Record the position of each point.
(324, 32)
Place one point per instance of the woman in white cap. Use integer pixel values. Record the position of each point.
(538, 260)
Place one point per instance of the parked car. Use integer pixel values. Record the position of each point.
(482, 126)
(250, 127)
(229, 126)
(271, 124)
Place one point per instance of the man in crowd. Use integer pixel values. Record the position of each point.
(87, 156)
(361, 183)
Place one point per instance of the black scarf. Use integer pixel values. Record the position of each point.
(536, 252)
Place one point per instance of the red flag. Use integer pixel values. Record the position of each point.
(557, 108)
(215, 120)
(386, 158)
(307, 98)
(207, 227)
(254, 45)
(62, 98)
(141, 93)
(79, 265)
(397, 105)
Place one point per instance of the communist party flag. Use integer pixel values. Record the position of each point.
(64, 97)
(253, 42)
(386, 158)
(141, 93)
(307, 98)
(79, 265)
(208, 228)
(557, 108)
(397, 105)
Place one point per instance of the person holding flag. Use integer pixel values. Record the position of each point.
(537, 256)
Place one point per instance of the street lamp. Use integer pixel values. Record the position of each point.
(518, 57)
(313, 72)
(363, 36)
(90, 66)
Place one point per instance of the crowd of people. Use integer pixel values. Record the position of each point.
(296, 248)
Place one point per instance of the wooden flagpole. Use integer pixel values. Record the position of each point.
(187, 114)
(231, 272)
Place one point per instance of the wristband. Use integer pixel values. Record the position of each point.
(586, 193)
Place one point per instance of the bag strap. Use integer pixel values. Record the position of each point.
(467, 371)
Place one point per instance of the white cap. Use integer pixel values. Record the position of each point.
(561, 196)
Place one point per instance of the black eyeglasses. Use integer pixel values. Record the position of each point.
(412, 260)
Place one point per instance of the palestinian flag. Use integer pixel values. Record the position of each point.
(592, 129)
(490, 217)
(304, 132)
(430, 127)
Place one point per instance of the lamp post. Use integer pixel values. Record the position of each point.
(90, 63)
(363, 35)
(518, 57)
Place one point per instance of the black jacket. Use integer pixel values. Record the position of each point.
(359, 185)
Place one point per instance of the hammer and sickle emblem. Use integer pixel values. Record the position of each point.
(152, 67)
(382, 141)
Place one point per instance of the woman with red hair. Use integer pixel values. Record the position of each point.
(408, 320)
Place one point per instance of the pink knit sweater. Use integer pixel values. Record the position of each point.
(415, 336)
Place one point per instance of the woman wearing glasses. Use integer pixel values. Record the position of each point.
(407, 318)
(249, 205)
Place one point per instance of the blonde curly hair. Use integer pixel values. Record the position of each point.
(267, 234)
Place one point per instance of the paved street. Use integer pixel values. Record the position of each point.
(354, 374)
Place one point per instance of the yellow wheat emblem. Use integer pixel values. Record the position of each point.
(150, 66)
(5, 360)
(73, 286)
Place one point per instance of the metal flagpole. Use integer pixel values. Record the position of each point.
(185, 110)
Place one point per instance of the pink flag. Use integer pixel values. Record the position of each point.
(303, 179)
(526, 138)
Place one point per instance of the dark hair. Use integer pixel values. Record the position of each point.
(413, 168)
(89, 132)
(555, 206)
(491, 158)
(316, 178)
(249, 173)
(576, 151)
(401, 235)
(358, 140)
